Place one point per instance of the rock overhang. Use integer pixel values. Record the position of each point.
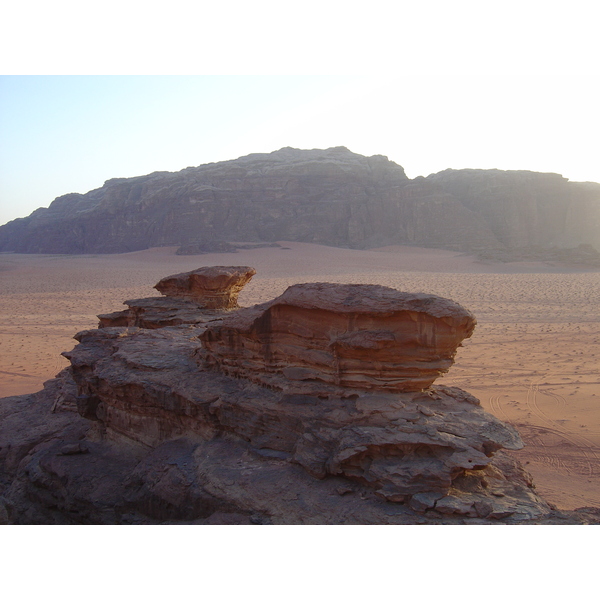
(349, 335)
(208, 287)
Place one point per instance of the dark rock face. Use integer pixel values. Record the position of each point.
(525, 209)
(157, 312)
(162, 442)
(68, 474)
(332, 197)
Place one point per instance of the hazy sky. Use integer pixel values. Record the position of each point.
(510, 85)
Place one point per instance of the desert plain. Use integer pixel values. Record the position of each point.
(533, 361)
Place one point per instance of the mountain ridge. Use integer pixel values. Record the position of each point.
(332, 197)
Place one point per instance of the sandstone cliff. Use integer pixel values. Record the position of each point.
(332, 197)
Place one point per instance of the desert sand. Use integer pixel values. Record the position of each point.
(533, 360)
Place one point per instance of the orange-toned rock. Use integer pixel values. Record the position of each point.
(208, 287)
(353, 336)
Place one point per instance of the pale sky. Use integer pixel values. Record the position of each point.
(430, 85)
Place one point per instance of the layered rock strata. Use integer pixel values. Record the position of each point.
(208, 287)
(399, 444)
(330, 352)
(364, 337)
(60, 470)
(158, 312)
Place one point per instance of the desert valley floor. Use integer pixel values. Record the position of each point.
(533, 360)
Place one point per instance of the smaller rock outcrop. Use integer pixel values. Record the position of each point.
(221, 247)
(189, 298)
(206, 247)
(157, 312)
(208, 287)
(358, 336)
(585, 255)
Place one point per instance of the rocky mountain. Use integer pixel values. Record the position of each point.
(332, 197)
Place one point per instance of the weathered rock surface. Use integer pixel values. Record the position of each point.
(208, 287)
(357, 336)
(332, 197)
(160, 435)
(214, 289)
(157, 312)
(400, 444)
(59, 468)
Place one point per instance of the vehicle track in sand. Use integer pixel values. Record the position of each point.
(14, 373)
(590, 451)
(536, 440)
(497, 408)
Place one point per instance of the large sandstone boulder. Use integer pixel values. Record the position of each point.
(146, 386)
(355, 336)
(340, 368)
(208, 287)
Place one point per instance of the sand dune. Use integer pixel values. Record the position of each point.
(533, 360)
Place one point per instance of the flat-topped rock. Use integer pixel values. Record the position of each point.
(208, 287)
(352, 336)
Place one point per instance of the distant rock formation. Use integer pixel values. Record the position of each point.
(583, 255)
(332, 197)
(206, 248)
(217, 247)
(164, 433)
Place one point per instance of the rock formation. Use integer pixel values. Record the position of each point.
(332, 197)
(157, 312)
(219, 247)
(208, 287)
(214, 289)
(222, 421)
(357, 336)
